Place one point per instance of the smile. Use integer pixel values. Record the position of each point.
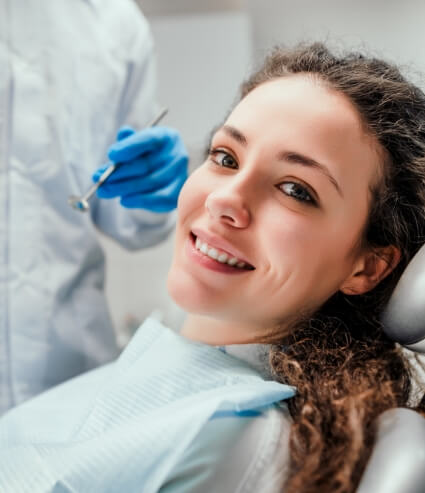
(218, 255)
(214, 258)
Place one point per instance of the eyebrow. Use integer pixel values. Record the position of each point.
(297, 158)
(288, 156)
(235, 133)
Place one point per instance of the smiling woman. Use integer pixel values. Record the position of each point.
(291, 237)
(290, 189)
(317, 180)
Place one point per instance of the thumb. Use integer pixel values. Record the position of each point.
(124, 132)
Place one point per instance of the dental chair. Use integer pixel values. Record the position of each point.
(397, 463)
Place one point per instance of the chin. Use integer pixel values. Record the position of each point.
(188, 296)
(178, 287)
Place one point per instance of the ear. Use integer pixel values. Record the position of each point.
(369, 270)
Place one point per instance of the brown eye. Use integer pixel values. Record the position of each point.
(222, 158)
(297, 191)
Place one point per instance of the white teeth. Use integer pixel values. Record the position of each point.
(212, 252)
(222, 258)
(217, 255)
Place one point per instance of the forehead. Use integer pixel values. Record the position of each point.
(300, 113)
(300, 100)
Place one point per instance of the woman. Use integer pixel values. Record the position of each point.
(293, 232)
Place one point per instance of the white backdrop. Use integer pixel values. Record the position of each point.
(392, 29)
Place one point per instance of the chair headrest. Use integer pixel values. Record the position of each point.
(404, 316)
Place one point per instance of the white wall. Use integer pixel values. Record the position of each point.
(201, 60)
(392, 29)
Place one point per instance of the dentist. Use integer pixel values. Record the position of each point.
(73, 73)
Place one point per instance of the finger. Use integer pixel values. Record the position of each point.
(150, 167)
(99, 172)
(123, 188)
(132, 185)
(125, 132)
(149, 162)
(147, 140)
(165, 176)
(106, 191)
(145, 184)
(122, 133)
(164, 200)
(129, 170)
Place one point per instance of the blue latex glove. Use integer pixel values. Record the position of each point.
(153, 168)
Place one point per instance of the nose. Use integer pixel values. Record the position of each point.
(229, 206)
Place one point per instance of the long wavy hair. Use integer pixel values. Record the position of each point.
(346, 370)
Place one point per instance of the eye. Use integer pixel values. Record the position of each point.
(222, 158)
(297, 191)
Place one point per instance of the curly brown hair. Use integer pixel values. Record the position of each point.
(347, 372)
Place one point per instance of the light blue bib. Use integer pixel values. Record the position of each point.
(124, 427)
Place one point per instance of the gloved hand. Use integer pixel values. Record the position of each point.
(152, 170)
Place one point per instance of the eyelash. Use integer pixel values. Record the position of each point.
(212, 153)
(309, 200)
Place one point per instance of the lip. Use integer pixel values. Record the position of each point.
(221, 244)
(197, 257)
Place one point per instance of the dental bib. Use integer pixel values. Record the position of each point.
(125, 426)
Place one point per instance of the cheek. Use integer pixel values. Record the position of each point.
(193, 194)
(182, 202)
(286, 234)
(306, 246)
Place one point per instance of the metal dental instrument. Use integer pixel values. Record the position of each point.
(82, 203)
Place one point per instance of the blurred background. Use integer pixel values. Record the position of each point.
(204, 50)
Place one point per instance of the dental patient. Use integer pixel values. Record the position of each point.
(290, 239)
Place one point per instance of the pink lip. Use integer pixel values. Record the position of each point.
(220, 243)
(199, 258)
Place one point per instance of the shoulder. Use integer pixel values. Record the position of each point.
(244, 454)
(123, 20)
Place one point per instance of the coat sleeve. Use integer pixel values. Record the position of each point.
(133, 228)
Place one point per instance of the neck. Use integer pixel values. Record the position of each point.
(217, 332)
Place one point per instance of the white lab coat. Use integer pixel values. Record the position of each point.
(71, 73)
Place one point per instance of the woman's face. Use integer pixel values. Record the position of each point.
(284, 194)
